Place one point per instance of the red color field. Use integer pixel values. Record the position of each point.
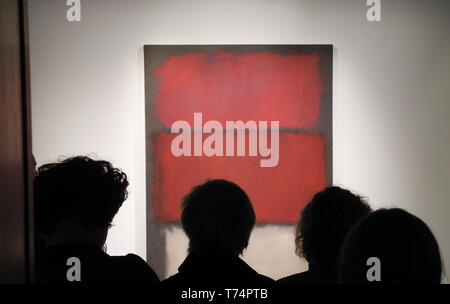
(255, 86)
(277, 193)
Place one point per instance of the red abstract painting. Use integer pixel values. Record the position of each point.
(277, 193)
(225, 86)
(289, 84)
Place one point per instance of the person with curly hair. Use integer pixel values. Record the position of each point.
(75, 201)
(320, 231)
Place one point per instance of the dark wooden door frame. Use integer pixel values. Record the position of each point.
(16, 160)
(29, 160)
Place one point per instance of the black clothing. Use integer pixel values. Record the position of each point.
(216, 270)
(315, 275)
(97, 267)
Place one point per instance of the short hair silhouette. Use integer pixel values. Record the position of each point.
(217, 216)
(86, 191)
(407, 250)
(325, 222)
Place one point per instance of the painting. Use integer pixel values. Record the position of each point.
(257, 115)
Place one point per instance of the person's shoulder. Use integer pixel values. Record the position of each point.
(173, 280)
(292, 279)
(265, 280)
(314, 276)
(134, 268)
(132, 258)
(246, 274)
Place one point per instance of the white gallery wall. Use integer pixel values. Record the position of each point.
(391, 98)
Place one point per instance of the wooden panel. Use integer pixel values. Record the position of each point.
(15, 250)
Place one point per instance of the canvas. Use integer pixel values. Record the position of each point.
(257, 115)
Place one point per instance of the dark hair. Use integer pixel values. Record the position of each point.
(217, 216)
(324, 223)
(403, 243)
(89, 192)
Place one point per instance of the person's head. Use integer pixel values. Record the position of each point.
(217, 217)
(76, 199)
(324, 223)
(404, 245)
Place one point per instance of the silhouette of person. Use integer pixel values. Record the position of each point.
(320, 231)
(75, 202)
(406, 250)
(218, 218)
